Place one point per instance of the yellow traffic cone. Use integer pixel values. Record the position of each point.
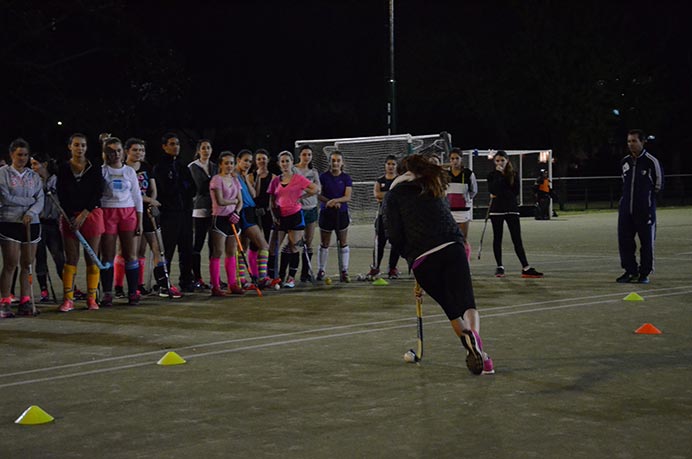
(171, 358)
(34, 415)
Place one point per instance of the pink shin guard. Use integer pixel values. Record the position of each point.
(215, 272)
(230, 265)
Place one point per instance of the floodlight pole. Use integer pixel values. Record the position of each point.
(391, 103)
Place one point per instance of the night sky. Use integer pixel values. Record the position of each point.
(262, 74)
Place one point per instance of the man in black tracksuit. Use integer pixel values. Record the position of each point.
(176, 189)
(642, 179)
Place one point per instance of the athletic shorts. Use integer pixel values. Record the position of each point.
(248, 217)
(310, 215)
(221, 224)
(16, 232)
(462, 216)
(92, 226)
(119, 219)
(328, 219)
(293, 222)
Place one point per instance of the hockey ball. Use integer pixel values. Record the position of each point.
(410, 356)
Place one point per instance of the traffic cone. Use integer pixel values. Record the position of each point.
(34, 415)
(648, 329)
(380, 282)
(633, 297)
(171, 358)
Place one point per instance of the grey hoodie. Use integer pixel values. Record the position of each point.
(20, 194)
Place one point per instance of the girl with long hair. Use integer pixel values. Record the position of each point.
(285, 193)
(310, 209)
(202, 170)
(503, 185)
(226, 203)
(122, 219)
(80, 188)
(461, 189)
(436, 252)
(21, 195)
(51, 241)
(336, 193)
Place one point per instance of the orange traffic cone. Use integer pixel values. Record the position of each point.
(648, 329)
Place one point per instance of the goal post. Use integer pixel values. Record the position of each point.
(364, 159)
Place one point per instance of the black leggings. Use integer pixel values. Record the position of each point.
(446, 277)
(51, 239)
(514, 231)
(382, 242)
(202, 225)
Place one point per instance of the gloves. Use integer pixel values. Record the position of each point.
(234, 218)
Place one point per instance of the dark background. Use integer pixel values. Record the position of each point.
(513, 75)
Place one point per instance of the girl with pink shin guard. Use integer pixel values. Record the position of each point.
(226, 202)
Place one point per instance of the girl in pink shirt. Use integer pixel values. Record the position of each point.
(285, 192)
(226, 202)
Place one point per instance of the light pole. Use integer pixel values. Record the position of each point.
(391, 103)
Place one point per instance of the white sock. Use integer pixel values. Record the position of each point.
(345, 255)
(322, 256)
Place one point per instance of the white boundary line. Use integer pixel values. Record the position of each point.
(316, 338)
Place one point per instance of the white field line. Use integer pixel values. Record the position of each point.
(316, 338)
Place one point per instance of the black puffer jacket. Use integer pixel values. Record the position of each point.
(415, 222)
(505, 200)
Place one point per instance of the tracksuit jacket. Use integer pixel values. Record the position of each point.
(642, 179)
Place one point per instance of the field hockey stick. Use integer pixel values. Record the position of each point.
(52, 290)
(307, 261)
(87, 248)
(376, 240)
(485, 225)
(338, 245)
(31, 270)
(162, 254)
(253, 278)
(418, 292)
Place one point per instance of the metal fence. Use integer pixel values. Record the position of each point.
(582, 193)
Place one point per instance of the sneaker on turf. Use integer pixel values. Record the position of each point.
(170, 292)
(643, 279)
(626, 278)
(26, 309)
(531, 274)
(488, 367)
(119, 292)
(321, 275)
(474, 348)
(393, 273)
(373, 272)
(500, 271)
(107, 301)
(344, 277)
(143, 291)
(133, 300)
(290, 282)
(216, 291)
(66, 306)
(200, 285)
(45, 298)
(92, 305)
(13, 299)
(6, 311)
(235, 290)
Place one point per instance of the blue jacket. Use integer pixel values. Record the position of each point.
(642, 179)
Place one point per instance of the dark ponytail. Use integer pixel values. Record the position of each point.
(432, 177)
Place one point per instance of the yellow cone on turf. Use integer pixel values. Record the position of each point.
(171, 358)
(34, 415)
(380, 282)
(633, 297)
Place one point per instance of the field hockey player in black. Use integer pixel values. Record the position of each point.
(435, 253)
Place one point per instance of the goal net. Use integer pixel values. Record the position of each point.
(527, 164)
(364, 159)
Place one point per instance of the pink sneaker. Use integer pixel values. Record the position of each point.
(488, 367)
(66, 306)
(92, 305)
